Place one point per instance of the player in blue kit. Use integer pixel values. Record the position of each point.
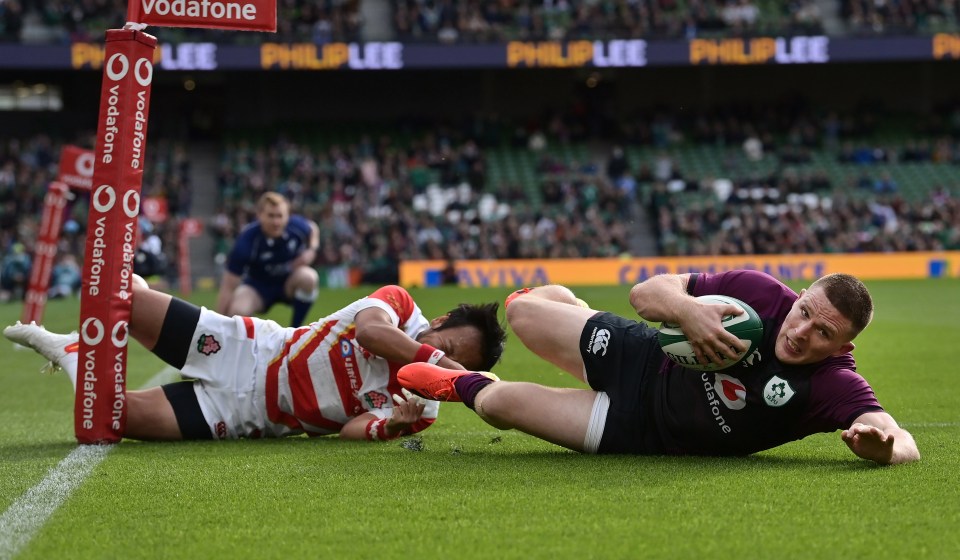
(271, 262)
(800, 381)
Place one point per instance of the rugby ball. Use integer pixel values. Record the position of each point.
(747, 326)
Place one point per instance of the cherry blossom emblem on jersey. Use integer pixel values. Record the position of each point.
(207, 345)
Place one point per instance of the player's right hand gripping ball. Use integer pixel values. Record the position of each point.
(746, 326)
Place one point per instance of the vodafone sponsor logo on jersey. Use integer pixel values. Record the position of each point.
(726, 390)
(249, 15)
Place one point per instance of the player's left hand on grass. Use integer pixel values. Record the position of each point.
(406, 411)
(869, 442)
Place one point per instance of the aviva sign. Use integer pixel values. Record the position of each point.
(573, 272)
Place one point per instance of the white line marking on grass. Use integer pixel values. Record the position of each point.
(930, 424)
(30, 512)
(24, 518)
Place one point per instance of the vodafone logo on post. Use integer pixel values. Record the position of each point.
(118, 65)
(105, 197)
(200, 9)
(119, 335)
(250, 15)
(92, 331)
(98, 201)
(76, 167)
(84, 165)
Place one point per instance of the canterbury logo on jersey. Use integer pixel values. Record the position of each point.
(599, 340)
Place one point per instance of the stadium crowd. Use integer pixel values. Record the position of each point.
(62, 21)
(870, 17)
(472, 21)
(432, 190)
(832, 223)
(451, 21)
(28, 165)
(380, 202)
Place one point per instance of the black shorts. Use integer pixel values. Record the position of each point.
(186, 408)
(176, 336)
(621, 357)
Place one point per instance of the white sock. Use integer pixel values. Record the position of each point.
(306, 296)
(69, 365)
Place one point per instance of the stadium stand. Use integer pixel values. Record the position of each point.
(61, 21)
(538, 196)
(574, 182)
(447, 21)
(869, 17)
(471, 21)
(28, 165)
(430, 198)
(723, 182)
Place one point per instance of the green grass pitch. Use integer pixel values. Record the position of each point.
(475, 492)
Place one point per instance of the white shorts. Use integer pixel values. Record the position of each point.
(229, 364)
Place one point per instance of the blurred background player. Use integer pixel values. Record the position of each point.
(14, 273)
(271, 261)
(65, 278)
(150, 262)
(253, 378)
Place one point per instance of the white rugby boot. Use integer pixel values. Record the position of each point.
(60, 349)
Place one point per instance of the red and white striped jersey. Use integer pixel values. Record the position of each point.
(320, 377)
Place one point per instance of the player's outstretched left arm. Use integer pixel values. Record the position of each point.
(377, 334)
(877, 437)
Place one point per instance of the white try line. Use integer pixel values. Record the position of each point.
(30, 511)
(929, 424)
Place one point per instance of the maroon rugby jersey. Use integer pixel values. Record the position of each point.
(759, 403)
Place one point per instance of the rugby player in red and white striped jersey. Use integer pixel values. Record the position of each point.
(251, 377)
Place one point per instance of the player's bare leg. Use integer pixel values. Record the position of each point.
(303, 279)
(560, 416)
(150, 416)
(301, 289)
(554, 306)
(245, 301)
(148, 312)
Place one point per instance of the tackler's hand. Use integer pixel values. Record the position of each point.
(406, 411)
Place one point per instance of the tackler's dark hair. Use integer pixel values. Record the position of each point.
(484, 318)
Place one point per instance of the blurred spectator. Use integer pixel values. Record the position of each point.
(65, 277)
(11, 20)
(150, 262)
(753, 147)
(899, 16)
(478, 21)
(14, 273)
(475, 21)
(885, 184)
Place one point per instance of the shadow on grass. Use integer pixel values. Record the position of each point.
(414, 451)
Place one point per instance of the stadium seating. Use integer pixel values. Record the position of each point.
(472, 21)
(28, 165)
